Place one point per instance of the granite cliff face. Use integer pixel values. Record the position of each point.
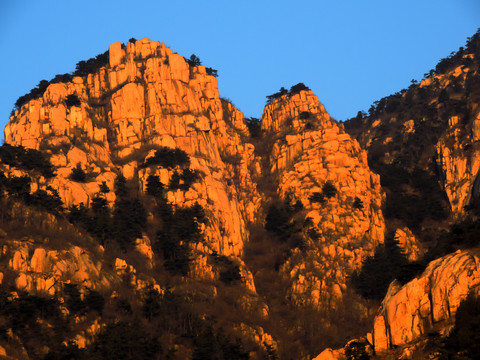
(458, 159)
(147, 97)
(427, 302)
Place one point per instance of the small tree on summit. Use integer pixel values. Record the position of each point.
(194, 61)
(295, 89)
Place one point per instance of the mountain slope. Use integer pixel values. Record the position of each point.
(134, 197)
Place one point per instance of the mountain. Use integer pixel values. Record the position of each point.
(143, 216)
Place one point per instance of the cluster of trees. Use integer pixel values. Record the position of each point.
(329, 190)
(72, 100)
(423, 200)
(36, 320)
(123, 225)
(378, 271)
(92, 65)
(40, 323)
(356, 350)
(92, 301)
(464, 234)
(167, 158)
(26, 159)
(19, 188)
(35, 93)
(283, 219)
(280, 219)
(184, 180)
(157, 328)
(180, 229)
(78, 174)
(463, 342)
(170, 312)
(230, 272)
(40, 89)
(171, 158)
(295, 89)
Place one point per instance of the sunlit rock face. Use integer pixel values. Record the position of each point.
(310, 150)
(430, 300)
(147, 97)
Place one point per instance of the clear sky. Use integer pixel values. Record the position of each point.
(349, 52)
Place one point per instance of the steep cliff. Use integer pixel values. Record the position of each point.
(146, 98)
(148, 114)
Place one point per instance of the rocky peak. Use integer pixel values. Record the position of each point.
(294, 112)
(324, 172)
(143, 99)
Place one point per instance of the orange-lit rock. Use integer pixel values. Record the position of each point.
(459, 159)
(408, 312)
(409, 245)
(311, 149)
(146, 96)
(329, 354)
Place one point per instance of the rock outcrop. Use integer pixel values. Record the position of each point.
(329, 354)
(147, 97)
(427, 302)
(410, 246)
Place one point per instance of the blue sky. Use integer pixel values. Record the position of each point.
(350, 53)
